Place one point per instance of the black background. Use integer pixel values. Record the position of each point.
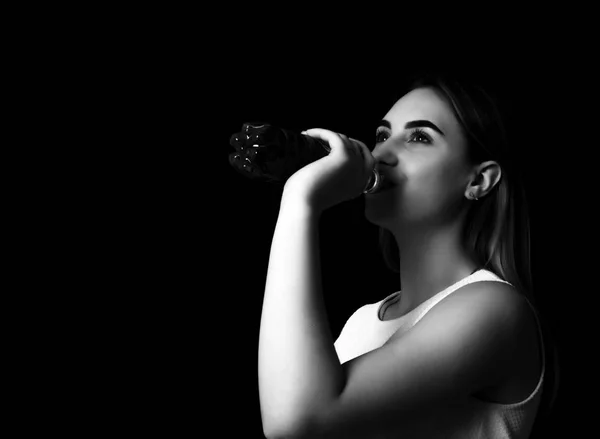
(187, 238)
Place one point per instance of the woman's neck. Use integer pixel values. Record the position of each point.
(430, 261)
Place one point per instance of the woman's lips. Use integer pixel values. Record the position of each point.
(385, 185)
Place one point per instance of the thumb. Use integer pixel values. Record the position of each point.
(333, 139)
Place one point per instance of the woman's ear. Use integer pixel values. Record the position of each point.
(486, 176)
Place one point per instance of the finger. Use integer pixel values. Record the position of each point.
(368, 159)
(358, 145)
(365, 152)
(352, 145)
(334, 139)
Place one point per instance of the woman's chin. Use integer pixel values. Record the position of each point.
(377, 209)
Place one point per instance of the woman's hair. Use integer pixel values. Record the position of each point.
(497, 231)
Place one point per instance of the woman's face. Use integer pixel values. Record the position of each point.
(421, 153)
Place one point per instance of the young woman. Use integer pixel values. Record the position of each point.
(459, 351)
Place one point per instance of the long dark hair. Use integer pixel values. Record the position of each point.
(497, 226)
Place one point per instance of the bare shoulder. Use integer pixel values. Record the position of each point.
(497, 308)
(496, 320)
(505, 331)
(487, 299)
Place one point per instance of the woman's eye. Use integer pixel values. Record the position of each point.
(381, 136)
(419, 136)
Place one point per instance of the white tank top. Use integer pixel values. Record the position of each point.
(474, 418)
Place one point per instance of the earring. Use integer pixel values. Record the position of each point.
(472, 195)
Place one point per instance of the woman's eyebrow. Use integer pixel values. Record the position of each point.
(423, 123)
(413, 124)
(385, 123)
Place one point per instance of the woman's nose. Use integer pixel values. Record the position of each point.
(383, 155)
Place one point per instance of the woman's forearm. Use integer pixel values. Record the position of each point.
(298, 367)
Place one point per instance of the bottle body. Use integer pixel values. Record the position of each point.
(272, 154)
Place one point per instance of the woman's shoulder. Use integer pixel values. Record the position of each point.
(490, 298)
(524, 358)
(496, 314)
(500, 308)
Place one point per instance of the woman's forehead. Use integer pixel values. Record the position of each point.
(422, 103)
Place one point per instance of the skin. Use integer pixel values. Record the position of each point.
(469, 343)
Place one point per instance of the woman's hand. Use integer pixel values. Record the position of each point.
(342, 175)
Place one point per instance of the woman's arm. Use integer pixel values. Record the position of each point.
(464, 344)
(297, 364)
